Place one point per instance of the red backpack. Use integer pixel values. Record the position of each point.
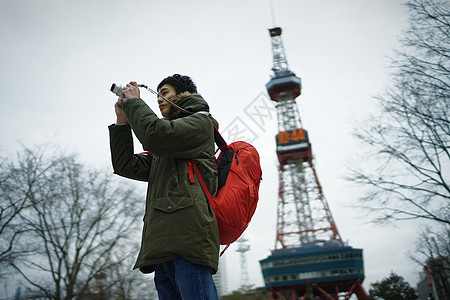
(239, 173)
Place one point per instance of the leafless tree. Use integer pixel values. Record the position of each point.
(433, 252)
(8, 211)
(78, 227)
(133, 285)
(13, 200)
(406, 172)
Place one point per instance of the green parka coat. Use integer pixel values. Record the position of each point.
(178, 219)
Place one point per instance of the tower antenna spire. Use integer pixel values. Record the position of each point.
(272, 13)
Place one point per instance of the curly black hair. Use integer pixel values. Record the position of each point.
(181, 83)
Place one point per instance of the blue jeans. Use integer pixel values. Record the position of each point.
(181, 279)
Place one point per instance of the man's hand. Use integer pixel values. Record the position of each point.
(131, 90)
(121, 118)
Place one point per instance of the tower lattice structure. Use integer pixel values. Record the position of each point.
(309, 258)
(303, 214)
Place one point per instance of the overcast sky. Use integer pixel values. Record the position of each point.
(59, 59)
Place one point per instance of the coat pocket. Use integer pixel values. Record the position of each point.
(170, 205)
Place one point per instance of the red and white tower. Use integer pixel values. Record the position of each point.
(303, 213)
(309, 254)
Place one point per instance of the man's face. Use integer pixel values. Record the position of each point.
(168, 92)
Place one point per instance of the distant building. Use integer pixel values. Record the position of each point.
(423, 288)
(434, 282)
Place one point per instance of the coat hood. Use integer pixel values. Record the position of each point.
(193, 103)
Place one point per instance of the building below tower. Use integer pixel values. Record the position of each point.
(328, 268)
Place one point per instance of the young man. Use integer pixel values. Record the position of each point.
(180, 239)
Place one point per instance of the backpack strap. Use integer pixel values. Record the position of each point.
(219, 140)
(192, 166)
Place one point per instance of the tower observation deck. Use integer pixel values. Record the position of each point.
(309, 256)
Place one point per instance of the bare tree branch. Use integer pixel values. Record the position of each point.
(407, 168)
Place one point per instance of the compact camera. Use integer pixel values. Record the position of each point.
(116, 89)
